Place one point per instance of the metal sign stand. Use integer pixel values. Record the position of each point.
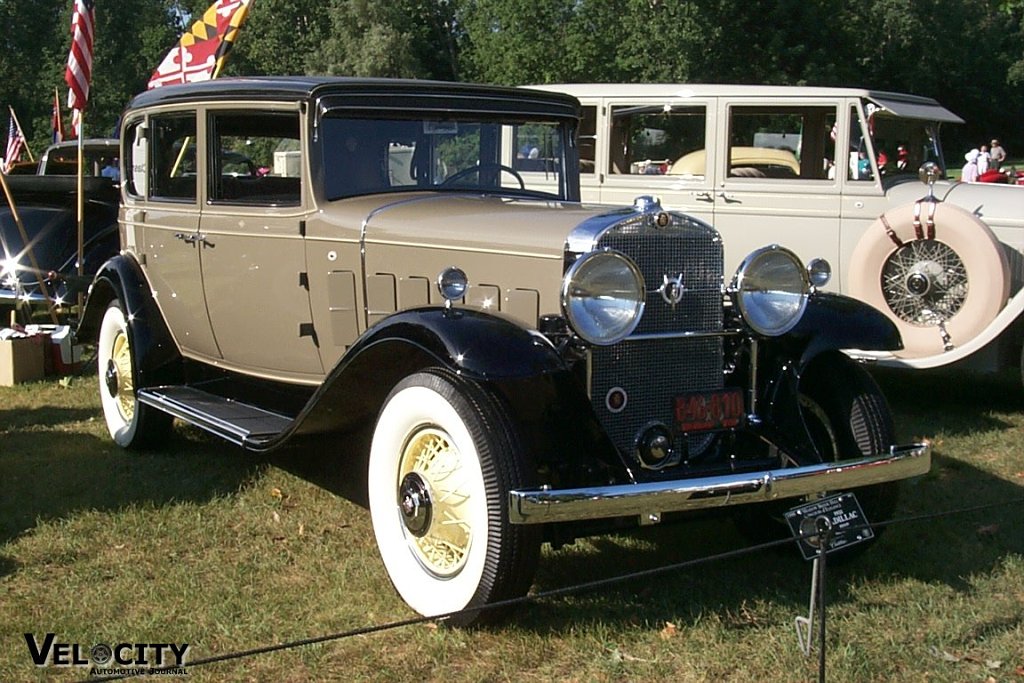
(804, 625)
(820, 527)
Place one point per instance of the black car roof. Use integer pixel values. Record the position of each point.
(367, 93)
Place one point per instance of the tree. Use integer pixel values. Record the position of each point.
(280, 37)
(403, 38)
(131, 36)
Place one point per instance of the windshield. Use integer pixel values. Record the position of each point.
(902, 145)
(366, 156)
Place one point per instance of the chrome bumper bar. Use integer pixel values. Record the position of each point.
(650, 500)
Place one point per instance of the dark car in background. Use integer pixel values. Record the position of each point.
(47, 203)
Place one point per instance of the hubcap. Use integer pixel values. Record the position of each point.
(924, 282)
(110, 378)
(118, 376)
(414, 502)
(918, 284)
(433, 499)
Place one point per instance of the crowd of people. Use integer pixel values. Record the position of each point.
(986, 164)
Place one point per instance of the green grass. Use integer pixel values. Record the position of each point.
(201, 543)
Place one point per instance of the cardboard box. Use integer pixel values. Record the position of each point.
(22, 359)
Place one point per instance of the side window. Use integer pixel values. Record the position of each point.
(859, 165)
(254, 158)
(136, 164)
(538, 147)
(172, 157)
(794, 143)
(654, 139)
(588, 141)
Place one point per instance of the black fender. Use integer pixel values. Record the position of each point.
(480, 346)
(830, 323)
(545, 400)
(157, 360)
(833, 322)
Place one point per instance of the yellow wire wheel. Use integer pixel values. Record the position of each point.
(435, 497)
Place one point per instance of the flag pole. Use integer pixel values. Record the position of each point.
(21, 133)
(81, 202)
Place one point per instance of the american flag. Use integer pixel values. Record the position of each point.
(79, 71)
(15, 144)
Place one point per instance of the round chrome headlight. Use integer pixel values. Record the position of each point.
(603, 297)
(771, 290)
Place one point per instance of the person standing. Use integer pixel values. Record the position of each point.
(997, 153)
(984, 160)
(969, 173)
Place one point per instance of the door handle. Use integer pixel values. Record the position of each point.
(191, 237)
(703, 197)
(727, 199)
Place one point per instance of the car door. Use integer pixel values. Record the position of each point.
(654, 146)
(160, 218)
(776, 177)
(251, 243)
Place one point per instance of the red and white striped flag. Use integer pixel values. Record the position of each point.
(15, 145)
(79, 71)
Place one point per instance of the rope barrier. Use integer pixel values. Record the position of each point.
(552, 593)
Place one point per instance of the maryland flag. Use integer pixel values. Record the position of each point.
(200, 54)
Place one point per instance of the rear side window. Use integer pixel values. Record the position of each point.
(784, 142)
(254, 158)
(655, 139)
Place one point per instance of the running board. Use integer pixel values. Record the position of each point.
(240, 423)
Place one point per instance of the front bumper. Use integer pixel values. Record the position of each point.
(649, 500)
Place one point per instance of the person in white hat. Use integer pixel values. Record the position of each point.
(969, 173)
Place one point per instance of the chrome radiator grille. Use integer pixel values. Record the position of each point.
(652, 372)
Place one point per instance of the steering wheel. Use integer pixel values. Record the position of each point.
(480, 168)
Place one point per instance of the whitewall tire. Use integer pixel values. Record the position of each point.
(130, 423)
(442, 461)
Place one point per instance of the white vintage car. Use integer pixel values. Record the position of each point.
(830, 172)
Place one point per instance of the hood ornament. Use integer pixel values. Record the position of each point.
(671, 289)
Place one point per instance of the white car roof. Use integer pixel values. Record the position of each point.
(900, 104)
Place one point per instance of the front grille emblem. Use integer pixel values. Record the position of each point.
(672, 289)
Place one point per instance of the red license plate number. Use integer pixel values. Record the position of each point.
(706, 410)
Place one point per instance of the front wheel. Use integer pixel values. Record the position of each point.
(846, 417)
(131, 424)
(443, 458)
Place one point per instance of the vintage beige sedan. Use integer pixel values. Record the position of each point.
(320, 260)
(833, 173)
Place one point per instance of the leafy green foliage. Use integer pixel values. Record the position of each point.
(969, 54)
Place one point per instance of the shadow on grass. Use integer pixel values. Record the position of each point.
(944, 549)
(957, 402)
(334, 462)
(50, 474)
(49, 416)
(941, 550)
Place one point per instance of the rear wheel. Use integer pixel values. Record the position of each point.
(443, 459)
(130, 423)
(846, 417)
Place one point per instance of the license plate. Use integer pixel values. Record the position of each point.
(702, 411)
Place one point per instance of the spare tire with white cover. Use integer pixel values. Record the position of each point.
(936, 270)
